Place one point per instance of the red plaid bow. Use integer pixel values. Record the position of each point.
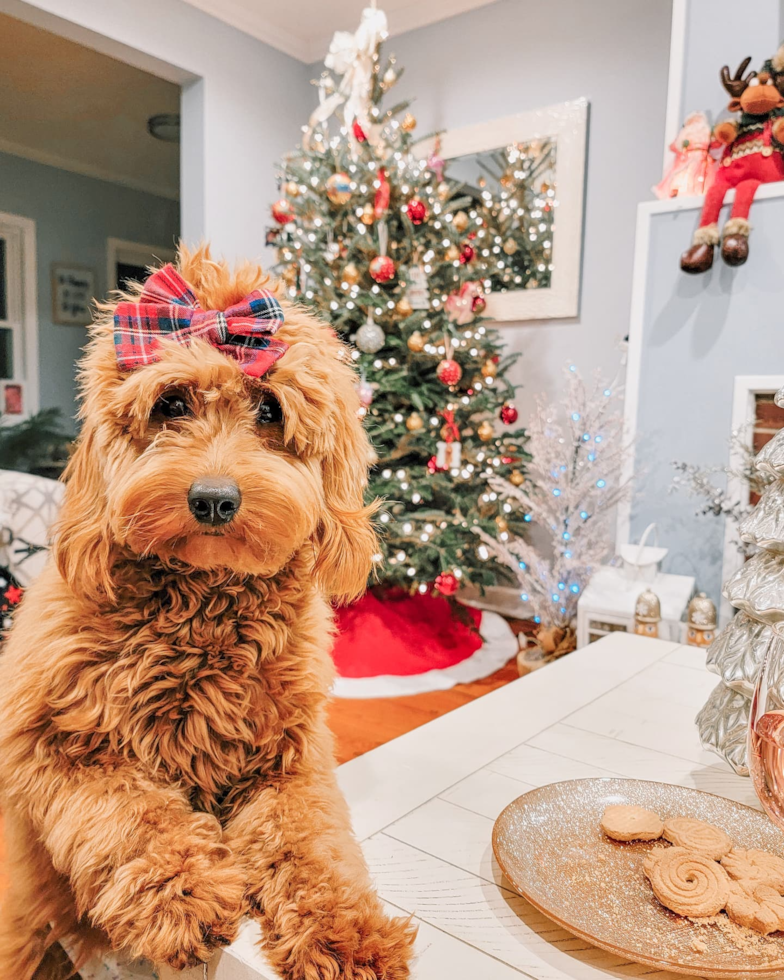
(168, 310)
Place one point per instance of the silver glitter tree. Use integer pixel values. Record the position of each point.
(757, 592)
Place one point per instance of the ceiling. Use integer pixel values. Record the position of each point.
(304, 28)
(83, 111)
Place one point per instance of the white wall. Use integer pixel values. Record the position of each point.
(243, 104)
(521, 54)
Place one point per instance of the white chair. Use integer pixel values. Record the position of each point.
(28, 507)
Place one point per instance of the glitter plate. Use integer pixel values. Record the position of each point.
(549, 845)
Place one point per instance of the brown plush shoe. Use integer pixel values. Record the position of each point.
(698, 258)
(735, 249)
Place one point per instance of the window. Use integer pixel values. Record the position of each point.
(18, 326)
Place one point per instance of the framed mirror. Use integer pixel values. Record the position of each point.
(531, 166)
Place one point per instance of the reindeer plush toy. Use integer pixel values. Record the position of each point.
(752, 156)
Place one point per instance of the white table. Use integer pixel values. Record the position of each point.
(424, 804)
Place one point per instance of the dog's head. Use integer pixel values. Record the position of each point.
(190, 458)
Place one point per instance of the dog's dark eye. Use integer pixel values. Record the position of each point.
(172, 406)
(269, 411)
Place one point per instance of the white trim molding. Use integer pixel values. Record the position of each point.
(746, 387)
(134, 253)
(26, 366)
(675, 114)
(567, 123)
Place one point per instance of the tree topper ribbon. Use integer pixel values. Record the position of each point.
(168, 310)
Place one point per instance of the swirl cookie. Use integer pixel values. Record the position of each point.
(696, 835)
(754, 865)
(631, 823)
(758, 907)
(687, 882)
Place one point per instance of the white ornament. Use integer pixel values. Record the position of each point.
(448, 455)
(370, 337)
(417, 291)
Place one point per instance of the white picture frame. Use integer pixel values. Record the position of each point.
(567, 124)
(73, 293)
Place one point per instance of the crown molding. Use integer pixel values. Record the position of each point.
(87, 170)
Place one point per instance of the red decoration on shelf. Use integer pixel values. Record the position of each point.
(466, 253)
(282, 212)
(382, 268)
(359, 132)
(381, 200)
(449, 372)
(433, 467)
(508, 414)
(416, 210)
(446, 583)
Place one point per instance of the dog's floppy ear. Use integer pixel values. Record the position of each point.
(345, 540)
(82, 544)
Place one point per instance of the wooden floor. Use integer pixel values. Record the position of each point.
(362, 725)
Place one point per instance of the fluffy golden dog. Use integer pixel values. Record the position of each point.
(165, 763)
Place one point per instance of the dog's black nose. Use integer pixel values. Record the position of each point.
(214, 500)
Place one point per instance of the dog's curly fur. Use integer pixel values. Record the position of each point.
(165, 764)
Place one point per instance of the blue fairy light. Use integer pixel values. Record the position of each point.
(607, 392)
(598, 439)
(556, 492)
(574, 588)
(562, 586)
(556, 597)
(523, 565)
(566, 536)
(524, 596)
(586, 437)
(563, 609)
(601, 483)
(567, 554)
(527, 517)
(563, 468)
(575, 416)
(591, 457)
(537, 619)
(584, 514)
(572, 367)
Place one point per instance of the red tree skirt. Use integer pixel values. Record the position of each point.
(400, 644)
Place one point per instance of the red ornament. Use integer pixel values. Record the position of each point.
(382, 268)
(478, 304)
(281, 211)
(359, 132)
(381, 200)
(508, 414)
(449, 372)
(13, 594)
(466, 253)
(446, 583)
(416, 210)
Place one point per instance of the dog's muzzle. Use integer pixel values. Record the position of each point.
(214, 500)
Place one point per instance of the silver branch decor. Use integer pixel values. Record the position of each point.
(572, 487)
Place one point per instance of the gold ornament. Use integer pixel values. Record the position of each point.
(368, 214)
(482, 182)
(409, 122)
(390, 77)
(460, 221)
(489, 369)
(292, 188)
(507, 180)
(339, 188)
(403, 307)
(701, 621)
(545, 187)
(443, 191)
(516, 478)
(486, 431)
(414, 422)
(416, 342)
(452, 254)
(647, 614)
(501, 523)
(351, 274)
(510, 246)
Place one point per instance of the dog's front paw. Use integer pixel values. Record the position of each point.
(352, 946)
(174, 907)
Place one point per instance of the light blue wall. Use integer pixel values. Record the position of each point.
(700, 331)
(74, 216)
(515, 55)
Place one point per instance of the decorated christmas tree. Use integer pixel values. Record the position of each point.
(757, 591)
(394, 253)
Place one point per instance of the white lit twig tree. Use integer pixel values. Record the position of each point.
(572, 486)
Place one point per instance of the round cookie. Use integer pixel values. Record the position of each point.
(687, 882)
(756, 906)
(760, 867)
(696, 835)
(627, 823)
